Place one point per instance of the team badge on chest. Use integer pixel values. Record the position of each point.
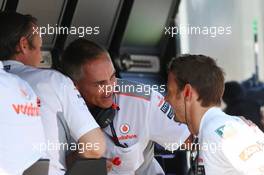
(124, 128)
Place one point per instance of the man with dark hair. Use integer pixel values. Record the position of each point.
(138, 118)
(19, 31)
(237, 103)
(18, 120)
(64, 112)
(227, 145)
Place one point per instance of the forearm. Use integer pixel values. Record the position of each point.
(93, 144)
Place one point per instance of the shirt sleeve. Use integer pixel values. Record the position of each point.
(76, 114)
(243, 146)
(163, 129)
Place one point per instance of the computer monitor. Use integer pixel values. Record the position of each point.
(41, 167)
(49, 14)
(2, 4)
(96, 13)
(144, 33)
(88, 166)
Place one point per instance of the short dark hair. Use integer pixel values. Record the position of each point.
(78, 53)
(202, 73)
(13, 27)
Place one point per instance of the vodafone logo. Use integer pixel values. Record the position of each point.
(124, 128)
(27, 109)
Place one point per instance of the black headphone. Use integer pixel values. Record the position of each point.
(105, 116)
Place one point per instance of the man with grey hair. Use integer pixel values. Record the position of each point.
(132, 119)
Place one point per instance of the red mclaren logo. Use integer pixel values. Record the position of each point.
(124, 128)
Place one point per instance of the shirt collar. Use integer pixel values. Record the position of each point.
(8, 64)
(12, 62)
(207, 115)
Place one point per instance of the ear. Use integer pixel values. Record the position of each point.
(187, 92)
(23, 45)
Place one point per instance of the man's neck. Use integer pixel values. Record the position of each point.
(196, 115)
(17, 57)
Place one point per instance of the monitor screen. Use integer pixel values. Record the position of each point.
(2, 5)
(100, 19)
(145, 28)
(48, 13)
